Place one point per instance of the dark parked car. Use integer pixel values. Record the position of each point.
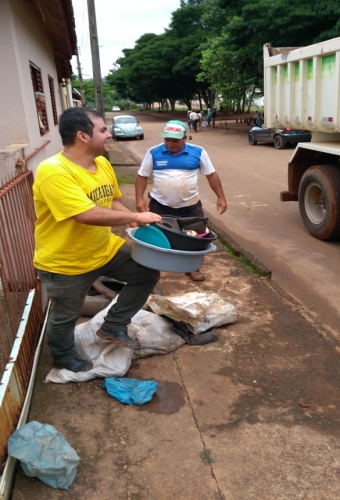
(280, 137)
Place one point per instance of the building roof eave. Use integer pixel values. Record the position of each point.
(57, 20)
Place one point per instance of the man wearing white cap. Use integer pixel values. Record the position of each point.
(174, 165)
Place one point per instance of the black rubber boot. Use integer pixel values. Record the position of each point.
(75, 365)
(120, 338)
(193, 338)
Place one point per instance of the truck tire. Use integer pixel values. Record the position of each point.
(279, 142)
(251, 140)
(319, 201)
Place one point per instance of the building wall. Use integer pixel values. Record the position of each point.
(13, 128)
(23, 40)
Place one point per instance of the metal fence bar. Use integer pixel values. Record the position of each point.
(18, 369)
(17, 275)
(21, 312)
(7, 477)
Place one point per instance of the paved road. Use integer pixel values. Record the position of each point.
(304, 267)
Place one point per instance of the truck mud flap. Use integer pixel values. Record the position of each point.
(287, 196)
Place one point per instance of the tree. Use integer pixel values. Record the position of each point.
(165, 67)
(215, 46)
(88, 89)
(131, 77)
(235, 56)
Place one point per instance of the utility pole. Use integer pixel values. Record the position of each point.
(97, 78)
(80, 79)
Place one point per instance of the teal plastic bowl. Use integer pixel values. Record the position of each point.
(153, 236)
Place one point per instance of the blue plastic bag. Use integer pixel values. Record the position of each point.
(130, 391)
(44, 453)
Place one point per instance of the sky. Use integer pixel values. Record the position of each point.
(119, 24)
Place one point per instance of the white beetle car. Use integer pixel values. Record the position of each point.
(126, 126)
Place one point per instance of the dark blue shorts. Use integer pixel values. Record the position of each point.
(191, 211)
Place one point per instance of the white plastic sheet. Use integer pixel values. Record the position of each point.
(153, 332)
(198, 310)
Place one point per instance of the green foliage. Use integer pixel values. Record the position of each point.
(110, 95)
(165, 67)
(88, 88)
(125, 177)
(232, 60)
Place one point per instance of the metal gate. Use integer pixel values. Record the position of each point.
(21, 313)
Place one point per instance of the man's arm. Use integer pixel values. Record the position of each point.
(140, 186)
(116, 216)
(118, 206)
(216, 186)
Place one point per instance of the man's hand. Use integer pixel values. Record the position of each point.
(140, 187)
(141, 205)
(216, 186)
(221, 205)
(145, 218)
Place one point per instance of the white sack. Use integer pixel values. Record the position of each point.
(153, 332)
(199, 311)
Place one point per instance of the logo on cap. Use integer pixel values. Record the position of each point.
(174, 129)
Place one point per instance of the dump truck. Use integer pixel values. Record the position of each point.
(302, 91)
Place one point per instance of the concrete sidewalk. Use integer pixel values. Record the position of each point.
(118, 158)
(254, 416)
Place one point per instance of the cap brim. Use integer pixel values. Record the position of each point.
(171, 135)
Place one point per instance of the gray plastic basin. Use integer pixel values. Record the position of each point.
(164, 259)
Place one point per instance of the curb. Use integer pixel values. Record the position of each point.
(245, 257)
(135, 157)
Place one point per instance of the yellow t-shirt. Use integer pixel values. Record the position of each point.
(62, 190)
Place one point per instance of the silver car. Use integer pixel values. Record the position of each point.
(126, 126)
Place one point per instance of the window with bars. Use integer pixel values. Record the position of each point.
(39, 98)
(54, 106)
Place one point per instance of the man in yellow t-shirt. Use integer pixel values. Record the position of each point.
(77, 201)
